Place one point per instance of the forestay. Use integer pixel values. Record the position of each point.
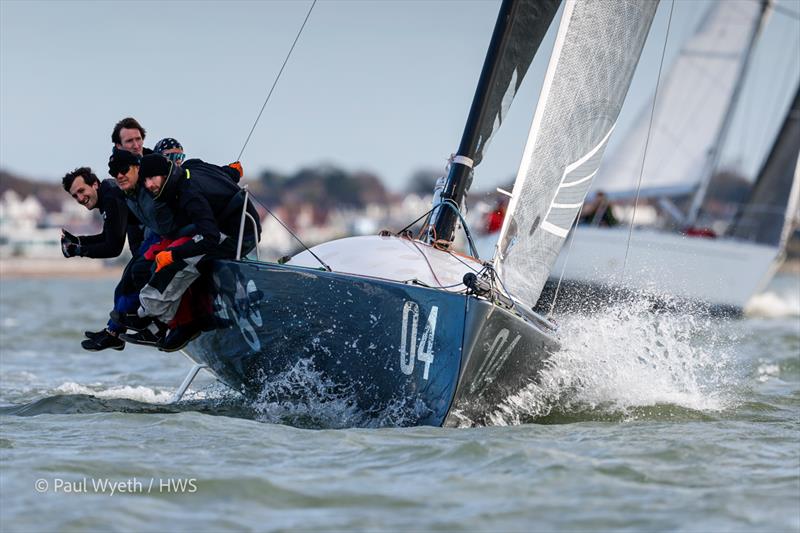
(692, 103)
(594, 56)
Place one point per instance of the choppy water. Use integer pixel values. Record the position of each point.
(642, 422)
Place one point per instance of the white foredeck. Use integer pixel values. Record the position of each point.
(391, 258)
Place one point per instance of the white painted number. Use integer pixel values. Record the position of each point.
(409, 349)
(407, 356)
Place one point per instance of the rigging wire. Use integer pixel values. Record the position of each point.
(278, 77)
(307, 249)
(647, 141)
(255, 123)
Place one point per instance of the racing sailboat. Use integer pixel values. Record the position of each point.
(408, 322)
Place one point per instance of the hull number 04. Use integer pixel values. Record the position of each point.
(410, 350)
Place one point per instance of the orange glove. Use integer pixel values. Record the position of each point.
(163, 259)
(238, 167)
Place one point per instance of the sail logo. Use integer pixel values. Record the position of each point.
(571, 192)
(494, 360)
(410, 351)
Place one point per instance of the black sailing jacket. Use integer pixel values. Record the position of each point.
(116, 223)
(148, 215)
(206, 196)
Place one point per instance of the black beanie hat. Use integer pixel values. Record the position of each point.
(120, 160)
(153, 165)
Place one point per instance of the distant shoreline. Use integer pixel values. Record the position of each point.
(59, 267)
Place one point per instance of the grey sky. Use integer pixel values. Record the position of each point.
(383, 86)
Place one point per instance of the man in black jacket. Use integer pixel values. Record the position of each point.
(82, 184)
(206, 196)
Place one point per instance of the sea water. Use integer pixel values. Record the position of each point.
(644, 421)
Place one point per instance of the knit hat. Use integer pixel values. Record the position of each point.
(153, 165)
(167, 143)
(121, 160)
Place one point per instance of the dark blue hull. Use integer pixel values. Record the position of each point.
(424, 350)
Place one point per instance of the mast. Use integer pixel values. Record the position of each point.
(716, 151)
(520, 28)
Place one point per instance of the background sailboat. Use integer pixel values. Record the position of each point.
(692, 118)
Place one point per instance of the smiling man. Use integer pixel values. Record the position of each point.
(82, 184)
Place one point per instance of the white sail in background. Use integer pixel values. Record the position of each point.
(596, 51)
(692, 103)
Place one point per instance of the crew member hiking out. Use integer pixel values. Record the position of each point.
(84, 186)
(196, 304)
(206, 196)
(151, 223)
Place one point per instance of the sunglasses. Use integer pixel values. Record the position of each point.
(176, 157)
(114, 172)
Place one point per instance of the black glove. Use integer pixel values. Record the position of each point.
(70, 249)
(70, 244)
(69, 237)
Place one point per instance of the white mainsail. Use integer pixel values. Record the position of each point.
(596, 51)
(693, 101)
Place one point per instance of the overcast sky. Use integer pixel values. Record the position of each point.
(382, 86)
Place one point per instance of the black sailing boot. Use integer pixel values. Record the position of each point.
(179, 337)
(149, 336)
(92, 334)
(102, 341)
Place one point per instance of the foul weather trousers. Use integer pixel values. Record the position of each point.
(161, 296)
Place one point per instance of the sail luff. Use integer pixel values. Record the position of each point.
(596, 51)
(533, 133)
(722, 134)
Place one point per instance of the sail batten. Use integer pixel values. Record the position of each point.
(596, 51)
